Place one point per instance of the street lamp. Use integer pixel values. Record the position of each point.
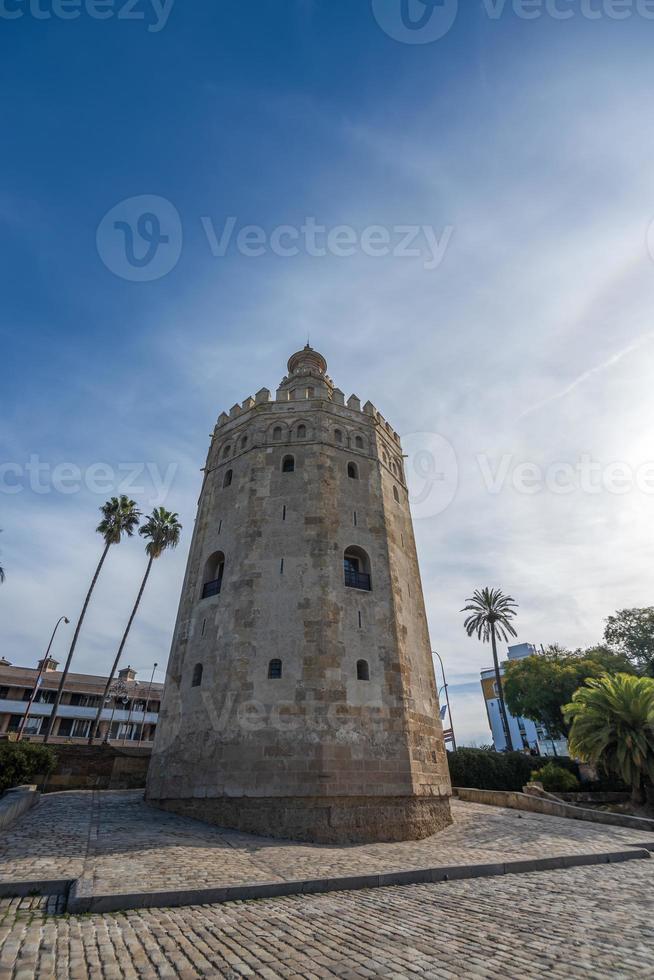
(37, 682)
(447, 697)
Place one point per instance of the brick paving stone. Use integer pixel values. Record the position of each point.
(119, 844)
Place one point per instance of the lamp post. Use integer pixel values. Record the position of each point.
(447, 697)
(116, 691)
(37, 682)
(147, 699)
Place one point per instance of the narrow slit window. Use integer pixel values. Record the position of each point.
(284, 512)
(197, 675)
(354, 518)
(227, 480)
(281, 566)
(359, 614)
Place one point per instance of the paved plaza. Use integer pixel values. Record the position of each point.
(116, 844)
(583, 922)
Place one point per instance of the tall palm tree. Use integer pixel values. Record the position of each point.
(120, 516)
(163, 531)
(490, 617)
(613, 725)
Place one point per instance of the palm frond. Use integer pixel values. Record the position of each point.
(163, 530)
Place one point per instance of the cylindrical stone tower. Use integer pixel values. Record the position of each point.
(300, 699)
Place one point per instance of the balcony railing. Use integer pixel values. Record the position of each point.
(357, 580)
(211, 588)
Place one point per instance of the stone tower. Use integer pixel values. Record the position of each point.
(300, 699)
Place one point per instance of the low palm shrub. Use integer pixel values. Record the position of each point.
(613, 727)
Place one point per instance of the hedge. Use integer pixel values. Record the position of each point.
(20, 762)
(485, 769)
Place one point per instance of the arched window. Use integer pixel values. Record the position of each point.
(212, 579)
(274, 670)
(356, 566)
(197, 676)
(358, 442)
(309, 393)
(385, 455)
(301, 431)
(288, 464)
(227, 479)
(277, 433)
(338, 435)
(394, 467)
(226, 451)
(353, 471)
(363, 670)
(244, 442)
(396, 494)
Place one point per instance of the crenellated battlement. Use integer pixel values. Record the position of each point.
(306, 383)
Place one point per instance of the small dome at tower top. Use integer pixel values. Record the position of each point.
(307, 359)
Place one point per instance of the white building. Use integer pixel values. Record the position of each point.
(525, 734)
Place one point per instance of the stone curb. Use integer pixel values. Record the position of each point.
(80, 899)
(15, 802)
(20, 889)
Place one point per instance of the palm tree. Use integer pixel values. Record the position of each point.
(490, 617)
(613, 725)
(120, 515)
(163, 530)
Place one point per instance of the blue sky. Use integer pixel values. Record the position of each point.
(526, 146)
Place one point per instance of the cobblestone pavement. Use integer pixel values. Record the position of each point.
(119, 845)
(585, 922)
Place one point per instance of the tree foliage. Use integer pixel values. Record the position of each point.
(631, 631)
(21, 762)
(537, 687)
(612, 725)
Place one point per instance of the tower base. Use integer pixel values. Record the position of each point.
(321, 820)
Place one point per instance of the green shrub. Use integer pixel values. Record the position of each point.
(555, 779)
(20, 762)
(485, 769)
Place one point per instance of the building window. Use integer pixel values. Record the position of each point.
(396, 494)
(197, 675)
(244, 442)
(274, 670)
(356, 566)
(309, 393)
(301, 431)
(226, 451)
(288, 464)
(338, 435)
(227, 480)
(353, 471)
(363, 671)
(277, 433)
(358, 442)
(212, 579)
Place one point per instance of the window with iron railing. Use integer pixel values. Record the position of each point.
(211, 588)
